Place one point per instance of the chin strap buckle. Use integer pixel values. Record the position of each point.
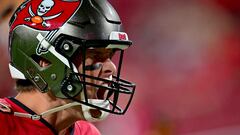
(27, 115)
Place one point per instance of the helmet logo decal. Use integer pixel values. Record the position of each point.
(115, 35)
(43, 8)
(122, 36)
(45, 15)
(43, 45)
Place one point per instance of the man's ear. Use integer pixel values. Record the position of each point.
(43, 63)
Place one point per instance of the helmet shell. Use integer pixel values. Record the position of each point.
(34, 31)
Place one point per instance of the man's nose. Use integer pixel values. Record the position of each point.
(109, 68)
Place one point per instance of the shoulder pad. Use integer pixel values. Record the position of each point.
(5, 106)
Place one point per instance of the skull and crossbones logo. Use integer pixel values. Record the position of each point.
(44, 7)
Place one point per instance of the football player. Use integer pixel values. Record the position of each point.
(62, 58)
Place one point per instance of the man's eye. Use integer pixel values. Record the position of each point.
(100, 55)
(100, 58)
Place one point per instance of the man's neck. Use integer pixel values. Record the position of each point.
(41, 102)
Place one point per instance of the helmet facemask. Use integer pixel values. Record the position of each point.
(113, 95)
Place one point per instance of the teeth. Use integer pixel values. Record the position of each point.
(109, 78)
(106, 85)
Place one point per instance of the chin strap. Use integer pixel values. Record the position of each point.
(86, 111)
(54, 110)
(89, 116)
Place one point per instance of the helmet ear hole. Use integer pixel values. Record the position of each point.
(42, 62)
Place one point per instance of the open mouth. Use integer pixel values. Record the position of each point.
(101, 92)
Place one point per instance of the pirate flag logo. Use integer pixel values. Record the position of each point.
(43, 8)
(45, 15)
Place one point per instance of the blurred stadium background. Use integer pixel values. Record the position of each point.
(185, 62)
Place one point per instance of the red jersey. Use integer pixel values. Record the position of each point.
(13, 125)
